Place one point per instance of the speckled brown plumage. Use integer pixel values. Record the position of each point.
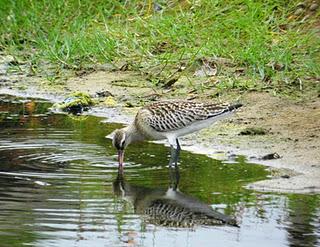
(173, 115)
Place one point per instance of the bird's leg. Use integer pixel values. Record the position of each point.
(174, 177)
(175, 152)
(171, 161)
(178, 145)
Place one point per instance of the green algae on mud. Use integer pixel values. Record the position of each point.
(75, 103)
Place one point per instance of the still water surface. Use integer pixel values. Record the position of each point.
(57, 188)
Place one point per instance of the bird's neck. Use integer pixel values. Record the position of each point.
(133, 133)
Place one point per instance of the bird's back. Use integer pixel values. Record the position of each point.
(166, 116)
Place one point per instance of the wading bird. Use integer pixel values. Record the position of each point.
(169, 120)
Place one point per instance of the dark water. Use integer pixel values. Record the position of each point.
(57, 176)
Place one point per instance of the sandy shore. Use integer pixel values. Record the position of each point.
(292, 129)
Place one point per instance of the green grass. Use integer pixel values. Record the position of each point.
(275, 47)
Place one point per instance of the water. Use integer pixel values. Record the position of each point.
(57, 188)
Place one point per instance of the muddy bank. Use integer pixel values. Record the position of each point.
(292, 132)
(290, 129)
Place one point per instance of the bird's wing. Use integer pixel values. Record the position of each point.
(173, 115)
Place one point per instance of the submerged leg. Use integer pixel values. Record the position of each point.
(175, 152)
(174, 177)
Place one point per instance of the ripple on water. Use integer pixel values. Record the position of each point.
(57, 178)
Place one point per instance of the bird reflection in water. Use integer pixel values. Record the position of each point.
(169, 207)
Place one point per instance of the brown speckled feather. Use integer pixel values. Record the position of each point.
(173, 115)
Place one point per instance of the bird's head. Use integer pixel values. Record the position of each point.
(120, 141)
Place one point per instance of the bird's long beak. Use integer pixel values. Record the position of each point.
(120, 157)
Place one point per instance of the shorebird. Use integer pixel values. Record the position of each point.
(169, 207)
(169, 120)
